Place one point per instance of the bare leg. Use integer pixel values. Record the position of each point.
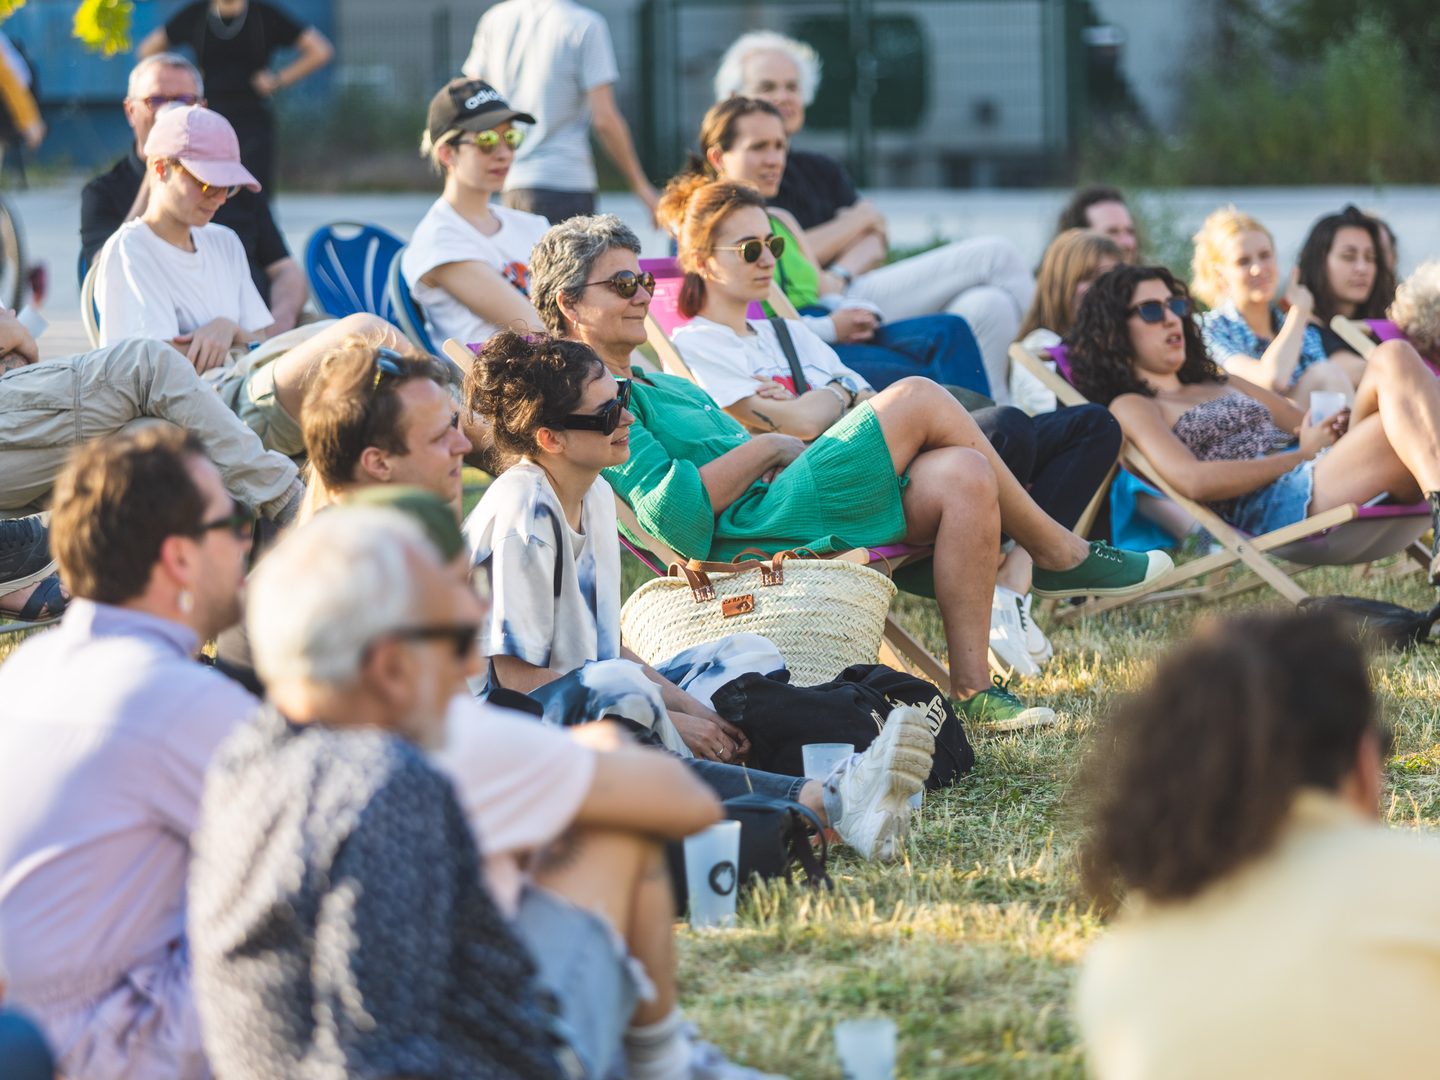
(294, 369)
(1325, 375)
(1014, 572)
(1158, 510)
(917, 415)
(950, 503)
(621, 877)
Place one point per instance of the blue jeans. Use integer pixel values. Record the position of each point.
(940, 347)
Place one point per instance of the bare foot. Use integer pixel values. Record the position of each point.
(13, 603)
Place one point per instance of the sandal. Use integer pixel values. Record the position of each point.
(46, 604)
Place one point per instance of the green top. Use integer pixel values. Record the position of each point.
(842, 492)
(798, 278)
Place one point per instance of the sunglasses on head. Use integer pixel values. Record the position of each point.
(205, 189)
(626, 282)
(240, 523)
(1153, 311)
(460, 636)
(391, 363)
(158, 101)
(750, 249)
(487, 141)
(606, 420)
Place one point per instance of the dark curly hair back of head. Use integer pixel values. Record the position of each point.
(522, 382)
(1194, 776)
(1102, 358)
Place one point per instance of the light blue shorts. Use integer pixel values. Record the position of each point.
(1279, 503)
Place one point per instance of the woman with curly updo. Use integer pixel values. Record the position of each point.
(1249, 453)
(545, 536)
(1268, 924)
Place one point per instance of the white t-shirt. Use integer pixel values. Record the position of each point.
(727, 365)
(545, 56)
(519, 781)
(443, 236)
(148, 288)
(518, 534)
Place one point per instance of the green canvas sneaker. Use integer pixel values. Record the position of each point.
(1106, 571)
(997, 709)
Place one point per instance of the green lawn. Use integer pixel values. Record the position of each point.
(971, 943)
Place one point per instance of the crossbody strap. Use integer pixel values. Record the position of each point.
(787, 346)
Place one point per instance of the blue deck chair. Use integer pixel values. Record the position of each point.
(348, 265)
(407, 314)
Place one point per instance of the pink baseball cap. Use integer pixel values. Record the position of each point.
(202, 141)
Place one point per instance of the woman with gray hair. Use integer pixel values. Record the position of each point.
(1415, 311)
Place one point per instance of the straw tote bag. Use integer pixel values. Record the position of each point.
(822, 614)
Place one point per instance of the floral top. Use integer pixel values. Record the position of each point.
(1227, 334)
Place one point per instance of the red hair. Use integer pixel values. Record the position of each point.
(692, 209)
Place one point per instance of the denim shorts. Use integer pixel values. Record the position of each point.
(1279, 503)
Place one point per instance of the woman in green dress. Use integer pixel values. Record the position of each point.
(906, 465)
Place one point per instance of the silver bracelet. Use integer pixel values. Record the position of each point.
(839, 396)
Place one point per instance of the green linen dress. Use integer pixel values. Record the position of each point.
(841, 493)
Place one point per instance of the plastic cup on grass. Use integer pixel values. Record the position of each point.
(820, 758)
(712, 874)
(866, 1048)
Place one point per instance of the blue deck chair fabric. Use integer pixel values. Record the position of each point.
(408, 316)
(348, 265)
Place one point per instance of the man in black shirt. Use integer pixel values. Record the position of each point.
(119, 194)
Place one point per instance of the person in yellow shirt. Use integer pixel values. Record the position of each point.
(1268, 924)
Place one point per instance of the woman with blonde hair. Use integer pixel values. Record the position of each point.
(1416, 310)
(1247, 333)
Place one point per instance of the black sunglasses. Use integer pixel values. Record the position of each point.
(606, 420)
(1153, 311)
(626, 282)
(240, 523)
(389, 362)
(461, 636)
(750, 249)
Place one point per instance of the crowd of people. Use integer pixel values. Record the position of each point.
(410, 816)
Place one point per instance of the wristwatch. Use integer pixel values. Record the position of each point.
(840, 272)
(849, 385)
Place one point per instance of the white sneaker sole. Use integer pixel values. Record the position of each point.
(1036, 717)
(1160, 565)
(903, 754)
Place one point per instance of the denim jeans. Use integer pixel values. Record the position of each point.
(729, 781)
(940, 347)
(1062, 456)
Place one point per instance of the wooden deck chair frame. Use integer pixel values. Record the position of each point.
(88, 312)
(1251, 551)
(1355, 334)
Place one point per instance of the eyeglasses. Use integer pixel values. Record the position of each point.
(461, 636)
(626, 282)
(240, 523)
(388, 362)
(487, 141)
(205, 188)
(606, 420)
(750, 249)
(158, 101)
(1153, 311)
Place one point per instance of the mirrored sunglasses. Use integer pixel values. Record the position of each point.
(205, 189)
(487, 141)
(626, 282)
(750, 249)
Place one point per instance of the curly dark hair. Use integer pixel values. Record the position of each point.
(1102, 359)
(1194, 776)
(522, 382)
(1314, 275)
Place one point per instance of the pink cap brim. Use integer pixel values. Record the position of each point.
(221, 173)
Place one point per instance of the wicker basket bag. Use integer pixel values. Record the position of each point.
(822, 614)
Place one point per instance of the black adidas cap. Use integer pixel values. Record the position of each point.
(469, 105)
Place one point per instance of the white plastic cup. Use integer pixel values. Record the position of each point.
(712, 874)
(1324, 404)
(866, 1048)
(820, 758)
(917, 800)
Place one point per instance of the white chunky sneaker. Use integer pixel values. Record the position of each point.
(708, 1063)
(875, 787)
(1008, 637)
(1036, 643)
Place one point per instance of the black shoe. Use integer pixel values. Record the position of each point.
(24, 552)
(1433, 497)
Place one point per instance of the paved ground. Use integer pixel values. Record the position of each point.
(51, 221)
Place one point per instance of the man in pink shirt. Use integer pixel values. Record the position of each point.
(108, 725)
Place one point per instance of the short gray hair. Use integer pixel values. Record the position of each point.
(165, 60)
(1416, 309)
(328, 590)
(562, 262)
(730, 78)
